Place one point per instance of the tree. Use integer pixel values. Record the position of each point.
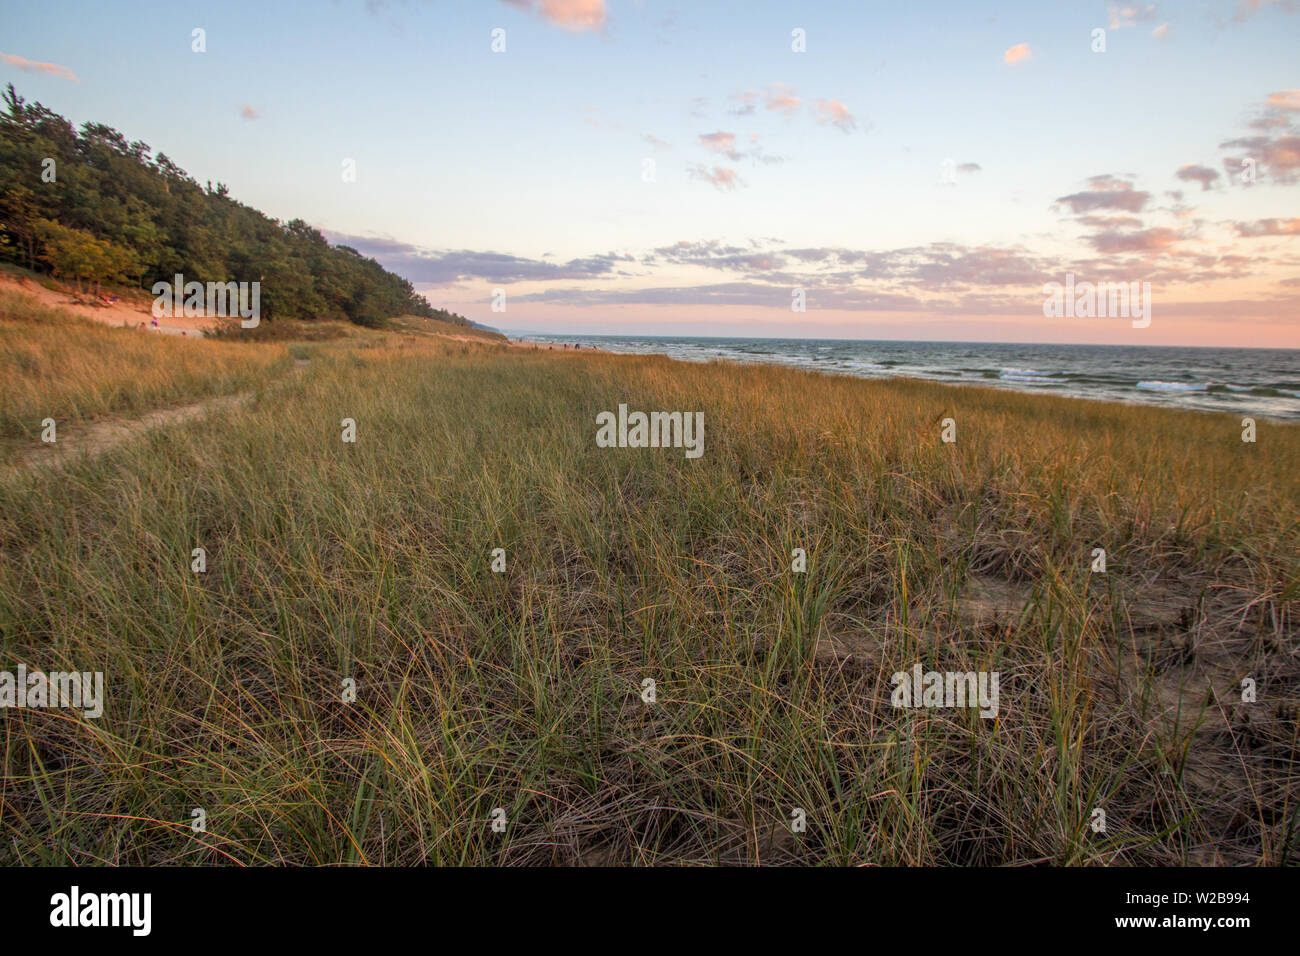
(77, 254)
(115, 212)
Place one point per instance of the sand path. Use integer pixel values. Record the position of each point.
(94, 438)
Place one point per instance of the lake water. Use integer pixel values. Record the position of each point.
(1256, 382)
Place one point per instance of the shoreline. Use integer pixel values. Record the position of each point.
(1025, 383)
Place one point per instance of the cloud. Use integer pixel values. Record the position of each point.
(1144, 240)
(746, 100)
(712, 254)
(969, 168)
(720, 142)
(721, 177)
(1016, 54)
(573, 15)
(36, 66)
(1190, 172)
(249, 112)
(1110, 222)
(1248, 8)
(1285, 100)
(435, 267)
(1280, 156)
(1107, 192)
(782, 99)
(1268, 227)
(724, 144)
(1161, 31)
(754, 294)
(1277, 150)
(836, 113)
(656, 142)
(1121, 17)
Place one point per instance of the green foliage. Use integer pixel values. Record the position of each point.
(75, 253)
(115, 212)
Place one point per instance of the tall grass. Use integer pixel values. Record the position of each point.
(55, 364)
(521, 690)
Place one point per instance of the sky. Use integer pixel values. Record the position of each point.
(916, 171)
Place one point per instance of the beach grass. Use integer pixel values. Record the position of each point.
(333, 566)
(57, 365)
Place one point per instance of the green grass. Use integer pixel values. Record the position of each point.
(521, 690)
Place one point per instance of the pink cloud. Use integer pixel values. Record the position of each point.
(1268, 227)
(1145, 240)
(1106, 192)
(35, 66)
(1285, 99)
(836, 113)
(1191, 172)
(249, 112)
(719, 142)
(782, 99)
(1016, 54)
(1248, 8)
(1121, 17)
(574, 14)
(721, 177)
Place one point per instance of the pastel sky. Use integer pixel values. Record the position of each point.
(921, 169)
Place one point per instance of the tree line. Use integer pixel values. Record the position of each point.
(93, 208)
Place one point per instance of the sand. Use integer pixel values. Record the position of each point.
(123, 312)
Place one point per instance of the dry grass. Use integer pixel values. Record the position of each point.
(57, 365)
(521, 690)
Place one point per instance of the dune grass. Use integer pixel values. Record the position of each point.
(55, 364)
(522, 690)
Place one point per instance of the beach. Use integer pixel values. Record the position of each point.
(635, 654)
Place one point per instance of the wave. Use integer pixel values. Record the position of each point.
(1172, 387)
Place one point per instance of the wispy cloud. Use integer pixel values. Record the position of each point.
(36, 66)
(1268, 227)
(1121, 17)
(1248, 8)
(721, 177)
(443, 267)
(745, 100)
(836, 113)
(781, 99)
(249, 112)
(1288, 100)
(720, 142)
(1106, 192)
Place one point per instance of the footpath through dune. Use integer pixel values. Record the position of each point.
(95, 438)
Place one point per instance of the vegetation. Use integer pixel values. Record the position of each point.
(107, 210)
(56, 365)
(521, 690)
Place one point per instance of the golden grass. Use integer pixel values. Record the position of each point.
(521, 691)
(57, 365)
